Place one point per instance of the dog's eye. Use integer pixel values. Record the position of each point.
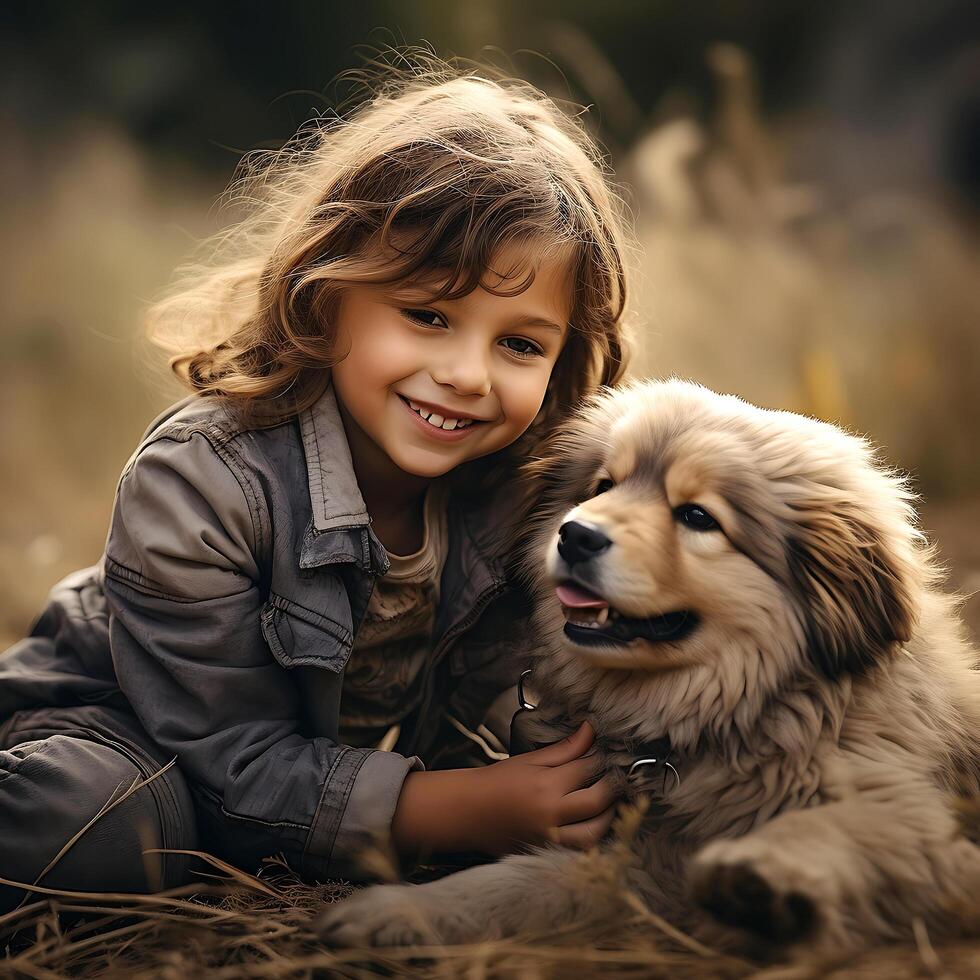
(695, 517)
(603, 486)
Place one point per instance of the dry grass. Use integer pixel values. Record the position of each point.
(232, 924)
(240, 925)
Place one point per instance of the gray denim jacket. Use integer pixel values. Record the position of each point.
(238, 567)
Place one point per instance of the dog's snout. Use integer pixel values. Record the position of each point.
(580, 541)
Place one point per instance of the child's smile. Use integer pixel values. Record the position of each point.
(440, 422)
(433, 384)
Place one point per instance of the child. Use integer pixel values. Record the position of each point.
(305, 579)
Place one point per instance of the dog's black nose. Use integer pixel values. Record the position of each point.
(578, 541)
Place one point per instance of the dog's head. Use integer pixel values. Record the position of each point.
(683, 529)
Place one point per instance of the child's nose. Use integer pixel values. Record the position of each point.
(465, 371)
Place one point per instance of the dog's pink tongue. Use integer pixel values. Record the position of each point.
(579, 598)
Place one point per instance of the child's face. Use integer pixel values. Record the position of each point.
(481, 356)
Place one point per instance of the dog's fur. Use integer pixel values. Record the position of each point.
(823, 715)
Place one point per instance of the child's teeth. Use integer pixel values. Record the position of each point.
(439, 421)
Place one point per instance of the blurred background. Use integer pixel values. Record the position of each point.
(805, 178)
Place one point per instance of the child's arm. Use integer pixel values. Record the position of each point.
(185, 558)
(528, 799)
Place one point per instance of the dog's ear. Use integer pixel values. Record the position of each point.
(857, 585)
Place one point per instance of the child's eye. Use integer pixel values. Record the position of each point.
(528, 350)
(519, 346)
(421, 316)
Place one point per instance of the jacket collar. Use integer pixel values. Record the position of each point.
(339, 528)
(329, 465)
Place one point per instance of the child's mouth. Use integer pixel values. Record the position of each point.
(434, 425)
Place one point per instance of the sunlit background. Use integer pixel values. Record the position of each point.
(805, 176)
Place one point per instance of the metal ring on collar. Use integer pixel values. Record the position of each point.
(651, 761)
(521, 700)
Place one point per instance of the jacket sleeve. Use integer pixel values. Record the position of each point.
(182, 584)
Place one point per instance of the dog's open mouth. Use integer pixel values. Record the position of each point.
(590, 620)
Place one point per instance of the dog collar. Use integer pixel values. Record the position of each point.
(645, 762)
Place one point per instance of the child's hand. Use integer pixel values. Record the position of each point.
(544, 796)
(532, 798)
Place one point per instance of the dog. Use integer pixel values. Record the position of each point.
(740, 602)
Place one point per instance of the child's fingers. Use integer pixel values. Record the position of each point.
(570, 747)
(584, 804)
(579, 773)
(586, 833)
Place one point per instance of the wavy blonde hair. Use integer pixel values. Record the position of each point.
(435, 173)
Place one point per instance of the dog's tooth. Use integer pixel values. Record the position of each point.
(601, 617)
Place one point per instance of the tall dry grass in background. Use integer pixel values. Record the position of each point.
(865, 312)
(90, 229)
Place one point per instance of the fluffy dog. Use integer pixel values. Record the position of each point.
(739, 601)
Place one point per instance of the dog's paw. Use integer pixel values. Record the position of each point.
(383, 915)
(751, 888)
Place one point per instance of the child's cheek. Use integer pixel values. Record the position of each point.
(524, 399)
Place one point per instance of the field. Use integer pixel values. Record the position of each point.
(752, 277)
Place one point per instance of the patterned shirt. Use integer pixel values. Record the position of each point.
(383, 678)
